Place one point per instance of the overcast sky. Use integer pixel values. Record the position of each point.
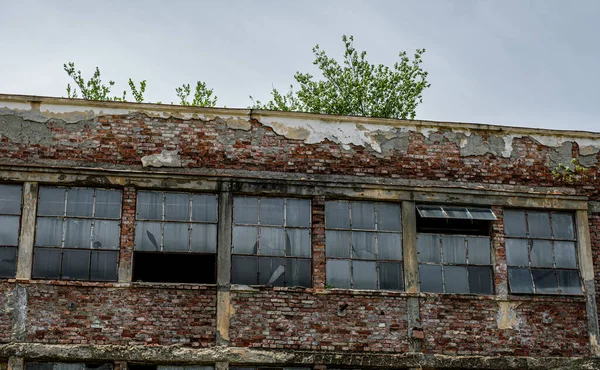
(517, 63)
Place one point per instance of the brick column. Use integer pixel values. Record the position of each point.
(499, 254)
(127, 234)
(319, 275)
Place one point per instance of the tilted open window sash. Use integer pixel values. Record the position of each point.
(453, 212)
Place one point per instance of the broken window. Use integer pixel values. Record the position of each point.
(175, 237)
(10, 216)
(541, 252)
(271, 241)
(66, 366)
(77, 234)
(363, 245)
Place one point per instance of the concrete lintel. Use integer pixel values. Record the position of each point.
(225, 209)
(26, 238)
(222, 366)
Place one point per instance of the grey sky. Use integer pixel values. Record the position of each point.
(518, 63)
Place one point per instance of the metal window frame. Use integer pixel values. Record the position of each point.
(14, 247)
(443, 208)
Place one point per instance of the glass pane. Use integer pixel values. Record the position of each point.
(245, 210)
(520, 280)
(480, 280)
(271, 211)
(539, 224)
(244, 270)
(363, 245)
(80, 202)
(46, 263)
(431, 211)
(429, 247)
(177, 206)
(51, 202)
(106, 234)
(338, 273)
(147, 236)
(454, 249)
(298, 243)
(76, 264)
(569, 282)
(297, 212)
(8, 262)
(204, 207)
(108, 203)
(390, 246)
(479, 250)
(104, 265)
(176, 237)
(245, 240)
(10, 199)
(430, 277)
(78, 233)
(149, 205)
(204, 238)
(364, 274)
(457, 212)
(388, 217)
(541, 253)
(271, 271)
(9, 230)
(272, 241)
(545, 281)
(297, 272)
(390, 276)
(482, 213)
(337, 215)
(563, 226)
(337, 243)
(514, 223)
(455, 279)
(363, 215)
(49, 232)
(516, 252)
(565, 255)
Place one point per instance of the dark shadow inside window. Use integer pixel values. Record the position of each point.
(453, 226)
(174, 267)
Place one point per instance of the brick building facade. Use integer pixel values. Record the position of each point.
(137, 236)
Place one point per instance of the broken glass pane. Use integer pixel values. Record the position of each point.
(177, 206)
(108, 203)
(10, 199)
(80, 202)
(390, 276)
(271, 211)
(565, 255)
(520, 280)
(8, 262)
(176, 237)
(454, 249)
(364, 274)
(337, 243)
(46, 263)
(204, 207)
(76, 264)
(541, 253)
(457, 212)
(544, 281)
(297, 212)
(245, 240)
(569, 282)
(514, 223)
(204, 238)
(149, 205)
(430, 277)
(106, 234)
(245, 210)
(516, 252)
(455, 278)
(9, 230)
(147, 236)
(480, 279)
(78, 233)
(49, 232)
(337, 215)
(363, 245)
(338, 273)
(479, 250)
(271, 271)
(104, 265)
(482, 214)
(562, 226)
(539, 224)
(363, 215)
(390, 246)
(51, 202)
(244, 270)
(297, 272)
(429, 247)
(388, 217)
(272, 241)
(298, 241)
(431, 211)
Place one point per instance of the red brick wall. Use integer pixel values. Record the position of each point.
(7, 291)
(372, 322)
(594, 224)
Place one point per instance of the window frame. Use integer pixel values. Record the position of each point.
(14, 248)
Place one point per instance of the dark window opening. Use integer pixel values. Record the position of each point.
(174, 267)
(453, 226)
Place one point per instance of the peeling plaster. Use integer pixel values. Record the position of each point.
(507, 315)
(166, 158)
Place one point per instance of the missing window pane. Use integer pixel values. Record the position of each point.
(174, 267)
